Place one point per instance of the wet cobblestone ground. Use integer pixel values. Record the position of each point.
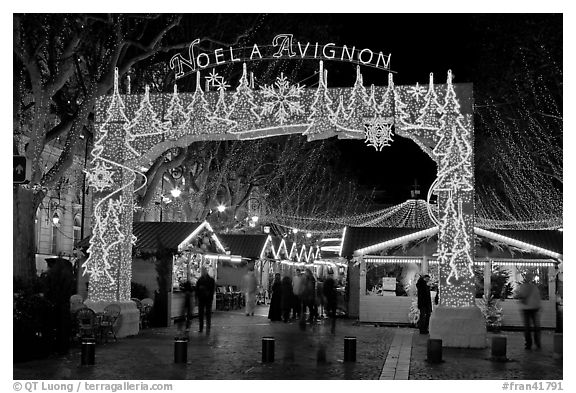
(475, 363)
(233, 350)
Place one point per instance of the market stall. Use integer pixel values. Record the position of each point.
(167, 254)
(385, 264)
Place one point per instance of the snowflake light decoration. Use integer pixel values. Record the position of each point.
(282, 99)
(100, 177)
(417, 91)
(378, 132)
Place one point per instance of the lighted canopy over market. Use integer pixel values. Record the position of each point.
(132, 130)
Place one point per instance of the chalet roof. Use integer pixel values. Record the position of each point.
(245, 245)
(155, 235)
(537, 243)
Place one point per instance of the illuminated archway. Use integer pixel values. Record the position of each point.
(130, 133)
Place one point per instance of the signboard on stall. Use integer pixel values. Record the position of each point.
(389, 283)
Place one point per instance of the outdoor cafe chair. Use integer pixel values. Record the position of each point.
(147, 304)
(108, 321)
(139, 307)
(87, 323)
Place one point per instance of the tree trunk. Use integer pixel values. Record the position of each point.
(24, 241)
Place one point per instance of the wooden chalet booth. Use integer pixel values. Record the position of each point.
(256, 251)
(385, 263)
(166, 254)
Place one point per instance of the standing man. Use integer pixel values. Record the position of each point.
(250, 286)
(297, 288)
(331, 300)
(205, 293)
(424, 302)
(530, 304)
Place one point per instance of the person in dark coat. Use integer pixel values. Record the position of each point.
(275, 311)
(205, 287)
(59, 283)
(424, 303)
(188, 291)
(309, 296)
(286, 302)
(330, 300)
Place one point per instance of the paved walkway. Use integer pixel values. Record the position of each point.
(397, 365)
(233, 350)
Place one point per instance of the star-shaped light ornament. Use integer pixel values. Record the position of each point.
(213, 78)
(417, 91)
(378, 132)
(100, 177)
(221, 84)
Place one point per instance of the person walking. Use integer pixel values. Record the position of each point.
(287, 300)
(309, 296)
(424, 302)
(275, 311)
(297, 287)
(250, 285)
(330, 300)
(530, 304)
(205, 293)
(188, 291)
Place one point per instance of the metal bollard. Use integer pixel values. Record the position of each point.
(558, 345)
(499, 348)
(88, 354)
(349, 349)
(267, 349)
(434, 350)
(180, 350)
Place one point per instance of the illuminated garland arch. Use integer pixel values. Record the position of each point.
(130, 133)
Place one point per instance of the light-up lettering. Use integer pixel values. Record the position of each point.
(219, 55)
(349, 54)
(283, 47)
(331, 52)
(303, 53)
(255, 50)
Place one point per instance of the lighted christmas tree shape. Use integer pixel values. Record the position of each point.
(372, 110)
(177, 116)
(455, 170)
(340, 114)
(220, 116)
(386, 107)
(449, 229)
(358, 106)
(199, 112)
(146, 128)
(321, 115)
(282, 100)
(430, 113)
(244, 110)
(113, 142)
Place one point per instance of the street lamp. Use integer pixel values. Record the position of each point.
(254, 219)
(221, 208)
(55, 219)
(175, 192)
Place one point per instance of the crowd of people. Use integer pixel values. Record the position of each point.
(297, 298)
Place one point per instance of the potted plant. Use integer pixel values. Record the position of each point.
(490, 307)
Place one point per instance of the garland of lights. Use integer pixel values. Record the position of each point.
(278, 110)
